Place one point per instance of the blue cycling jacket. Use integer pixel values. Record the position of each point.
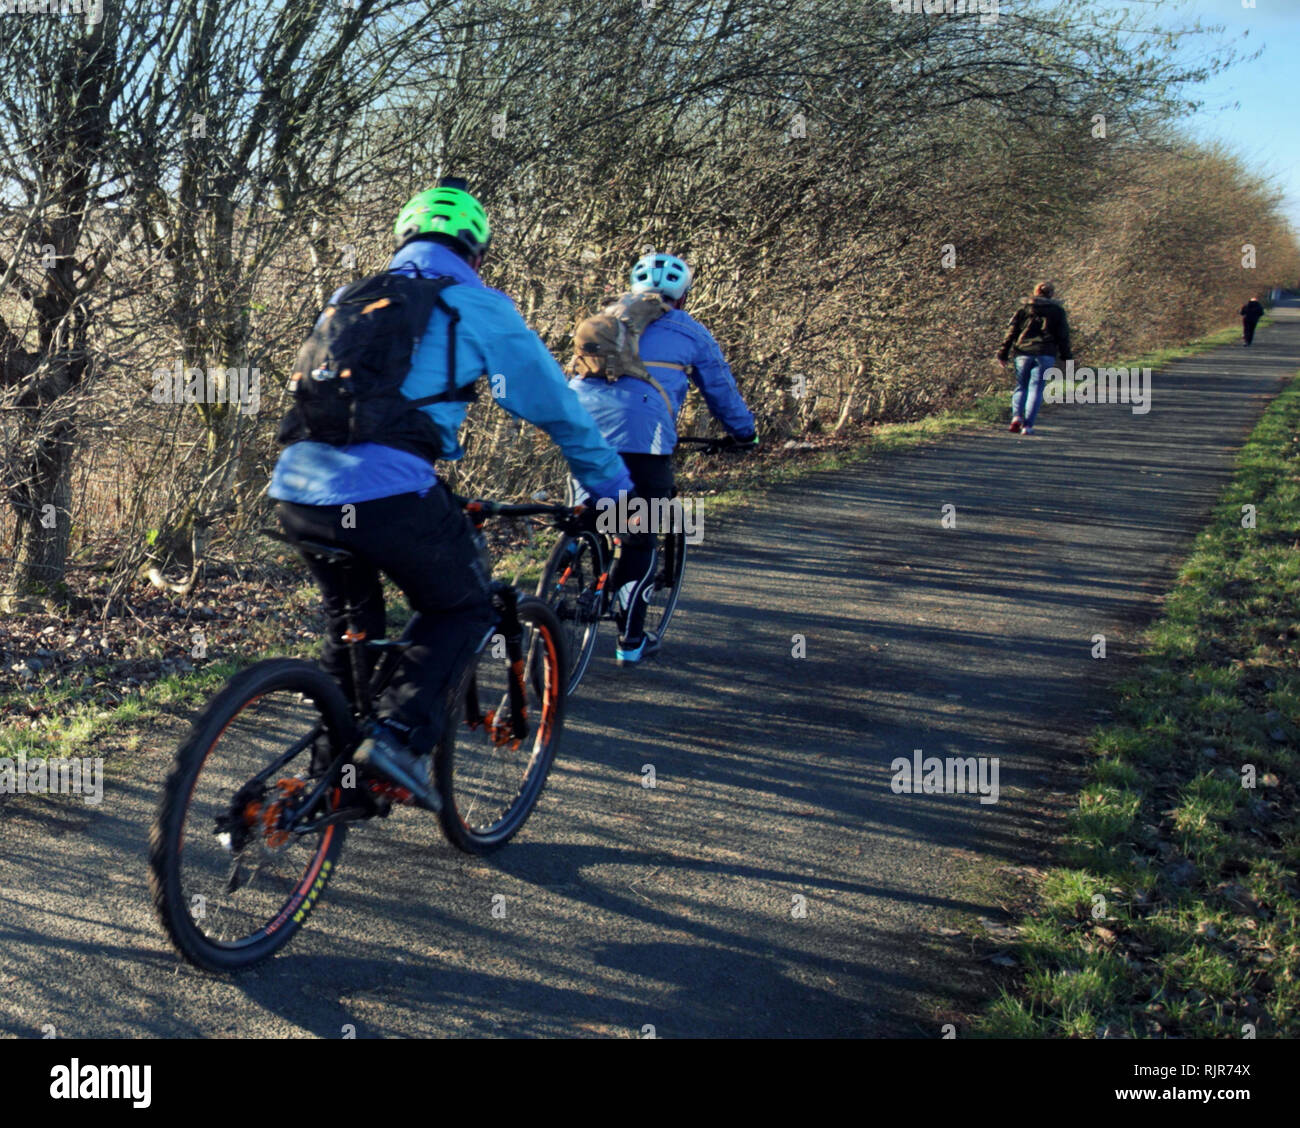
(634, 417)
(492, 341)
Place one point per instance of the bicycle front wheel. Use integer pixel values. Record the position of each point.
(499, 742)
(573, 587)
(661, 600)
(232, 876)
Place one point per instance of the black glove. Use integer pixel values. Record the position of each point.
(739, 444)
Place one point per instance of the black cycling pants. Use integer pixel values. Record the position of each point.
(652, 474)
(425, 546)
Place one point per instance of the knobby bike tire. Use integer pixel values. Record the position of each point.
(670, 567)
(166, 837)
(456, 759)
(572, 587)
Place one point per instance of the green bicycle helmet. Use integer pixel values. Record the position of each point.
(445, 210)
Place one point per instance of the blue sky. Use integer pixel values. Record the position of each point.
(1265, 127)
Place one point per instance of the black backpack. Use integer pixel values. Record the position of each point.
(347, 380)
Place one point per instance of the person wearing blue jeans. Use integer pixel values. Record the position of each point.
(1039, 336)
(1031, 371)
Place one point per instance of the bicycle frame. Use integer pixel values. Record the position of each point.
(370, 686)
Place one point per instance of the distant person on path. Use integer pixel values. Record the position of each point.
(1039, 336)
(1251, 312)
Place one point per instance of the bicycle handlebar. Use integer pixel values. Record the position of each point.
(488, 508)
(709, 445)
(484, 507)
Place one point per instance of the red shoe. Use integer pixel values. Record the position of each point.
(1015, 424)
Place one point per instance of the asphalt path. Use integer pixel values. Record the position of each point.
(771, 883)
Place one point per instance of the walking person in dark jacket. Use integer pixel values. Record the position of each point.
(1039, 336)
(1251, 312)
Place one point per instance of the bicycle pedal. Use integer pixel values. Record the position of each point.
(389, 793)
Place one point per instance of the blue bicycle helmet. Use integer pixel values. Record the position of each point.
(664, 274)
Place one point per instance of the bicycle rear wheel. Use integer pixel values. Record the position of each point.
(232, 880)
(491, 764)
(661, 600)
(573, 587)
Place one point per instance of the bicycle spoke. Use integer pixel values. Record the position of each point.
(490, 778)
(231, 880)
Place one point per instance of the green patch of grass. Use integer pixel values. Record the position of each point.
(1106, 815)
(1011, 1016)
(73, 725)
(1178, 913)
(523, 565)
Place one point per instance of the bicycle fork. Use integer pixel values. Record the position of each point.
(512, 633)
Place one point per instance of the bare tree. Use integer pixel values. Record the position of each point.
(860, 191)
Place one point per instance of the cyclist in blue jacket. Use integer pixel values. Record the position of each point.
(677, 351)
(388, 507)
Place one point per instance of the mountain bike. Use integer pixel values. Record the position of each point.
(575, 582)
(256, 806)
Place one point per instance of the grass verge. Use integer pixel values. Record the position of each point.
(1176, 911)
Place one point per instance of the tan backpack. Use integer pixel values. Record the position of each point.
(606, 345)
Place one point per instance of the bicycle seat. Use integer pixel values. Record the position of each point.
(329, 552)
